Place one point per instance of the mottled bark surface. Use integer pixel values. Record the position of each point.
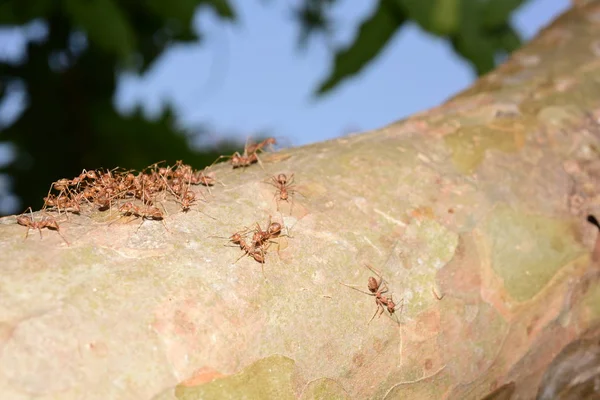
(483, 200)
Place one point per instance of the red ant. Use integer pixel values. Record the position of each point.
(253, 148)
(377, 289)
(284, 189)
(147, 213)
(250, 250)
(250, 155)
(260, 242)
(46, 222)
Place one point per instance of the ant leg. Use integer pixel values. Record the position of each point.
(260, 162)
(276, 197)
(373, 269)
(165, 225)
(63, 238)
(220, 157)
(385, 288)
(262, 263)
(139, 226)
(379, 306)
(355, 288)
(166, 215)
(246, 253)
(121, 217)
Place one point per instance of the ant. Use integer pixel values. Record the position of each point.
(377, 289)
(253, 148)
(249, 156)
(46, 222)
(63, 203)
(254, 251)
(150, 212)
(250, 250)
(147, 213)
(260, 237)
(261, 240)
(284, 189)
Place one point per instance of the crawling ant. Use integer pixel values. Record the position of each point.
(45, 222)
(249, 156)
(255, 251)
(187, 200)
(204, 179)
(250, 250)
(377, 289)
(238, 160)
(243, 161)
(285, 189)
(253, 148)
(146, 213)
(63, 203)
(260, 237)
(258, 244)
(149, 212)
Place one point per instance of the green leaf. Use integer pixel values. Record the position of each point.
(478, 49)
(373, 34)
(223, 8)
(180, 10)
(104, 23)
(508, 39)
(419, 11)
(497, 12)
(445, 16)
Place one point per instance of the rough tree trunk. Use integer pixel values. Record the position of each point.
(482, 201)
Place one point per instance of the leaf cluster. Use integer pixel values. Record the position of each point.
(479, 31)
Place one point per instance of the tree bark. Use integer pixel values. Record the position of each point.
(475, 213)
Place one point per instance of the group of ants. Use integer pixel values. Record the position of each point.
(126, 189)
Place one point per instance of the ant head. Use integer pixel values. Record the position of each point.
(282, 179)
(270, 141)
(91, 175)
(235, 238)
(373, 285)
(274, 228)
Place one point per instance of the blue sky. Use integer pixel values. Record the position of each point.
(249, 77)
